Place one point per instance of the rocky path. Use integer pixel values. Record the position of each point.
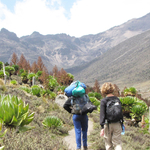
(70, 139)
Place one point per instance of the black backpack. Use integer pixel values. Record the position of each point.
(113, 110)
(81, 105)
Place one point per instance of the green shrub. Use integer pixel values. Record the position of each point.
(38, 74)
(2, 74)
(91, 94)
(10, 70)
(130, 90)
(52, 122)
(62, 88)
(52, 83)
(24, 77)
(1, 65)
(71, 76)
(129, 100)
(28, 90)
(16, 67)
(30, 76)
(14, 82)
(138, 109)
(21, 71)
(94, 101)
(98, 95)
(52, 95)
(36, 90)
(14, 112)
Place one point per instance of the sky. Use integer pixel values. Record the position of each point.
(72, 17)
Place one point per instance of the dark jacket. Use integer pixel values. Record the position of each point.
(103, 110)
(67, 105)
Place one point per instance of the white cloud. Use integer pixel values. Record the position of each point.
(86, 16)
(94, 16)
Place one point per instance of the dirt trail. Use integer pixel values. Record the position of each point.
(70, 139)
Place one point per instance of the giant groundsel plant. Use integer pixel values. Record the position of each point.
(14, 112)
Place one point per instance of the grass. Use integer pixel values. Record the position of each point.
(50, 139)
(39, 137)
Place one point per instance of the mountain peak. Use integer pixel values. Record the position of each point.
(35, 34)
(9, 35)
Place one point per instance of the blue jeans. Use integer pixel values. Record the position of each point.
(80, 124)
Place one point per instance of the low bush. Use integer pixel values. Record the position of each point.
(14, 82)
(91, 94)
(36, 90)
(94, 101)
(52, 122)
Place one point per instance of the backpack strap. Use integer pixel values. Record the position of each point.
(71, 101)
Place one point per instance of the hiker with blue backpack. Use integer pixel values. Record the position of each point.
(111, 118)
(79, 105)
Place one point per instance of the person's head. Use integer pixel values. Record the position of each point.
(107, 88)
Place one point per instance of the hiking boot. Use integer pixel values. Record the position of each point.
(85, 148)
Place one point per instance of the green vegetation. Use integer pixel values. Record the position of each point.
(134, 107)
(10, 70)
(52, 83)
(52, 122)
(130, 91)
(14, 82)
(1, 65)
(2, 74)
(14, 112)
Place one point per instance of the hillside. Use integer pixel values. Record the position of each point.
(126, 64)
(66, 51)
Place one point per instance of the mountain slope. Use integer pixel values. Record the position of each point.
(128, 63)
(66, 51)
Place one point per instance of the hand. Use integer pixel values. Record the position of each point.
(102, 132)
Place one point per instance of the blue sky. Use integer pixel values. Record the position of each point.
(73, 17)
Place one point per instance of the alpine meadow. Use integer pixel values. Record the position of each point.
(36, 69)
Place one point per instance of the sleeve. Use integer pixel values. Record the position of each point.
(67, 105)
(102, 113)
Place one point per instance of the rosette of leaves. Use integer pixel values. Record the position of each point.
(127, 103)
(21, 71)
(16, 67)
(38, 74)
(15, 113)
(91, 94)
(2, 74)
(10, 70)
(138, 109)
(62, 88)
(130, 91)
(52, 83)
(52, 122)
(30, 76)
(36, 90)
(52, 95)
(94, 101)
(24, 77)
(98, 95)
(14, 82)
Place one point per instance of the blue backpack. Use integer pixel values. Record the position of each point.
(69, 89)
